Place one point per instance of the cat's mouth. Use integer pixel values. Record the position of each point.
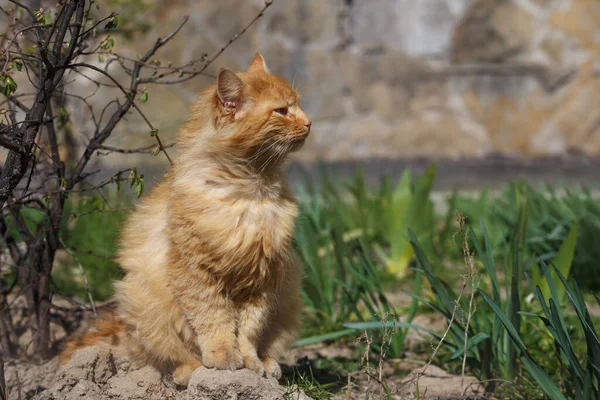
(297, 141)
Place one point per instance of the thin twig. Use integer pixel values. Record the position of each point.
(211, 60)
(131, 99)
(85, 279)
(470, 278)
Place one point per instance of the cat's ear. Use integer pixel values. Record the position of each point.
(258, 64)
(230, 90)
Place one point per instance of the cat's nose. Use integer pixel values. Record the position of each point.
(307, 124)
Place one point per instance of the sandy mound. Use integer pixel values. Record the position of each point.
(95, 373)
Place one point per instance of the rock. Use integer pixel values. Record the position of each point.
(95, 373)
(137, 384)
(24, 380)
(94, 363)
(209, 384)
(80, 390)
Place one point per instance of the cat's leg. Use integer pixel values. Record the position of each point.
(212, 316)
(282, 340)
(281, 331)
(156, 331)
(254, 315)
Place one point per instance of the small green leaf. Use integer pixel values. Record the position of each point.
(139, 186)
(112, 23)
(7, 85)
(39, 15)
(107, 43)
(144, 97)
(154, 132)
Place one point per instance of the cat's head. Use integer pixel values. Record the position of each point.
(258, 113)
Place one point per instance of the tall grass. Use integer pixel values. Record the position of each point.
(381, 216)
(580, 376)
(552, 214)
(341, 281)
(495, 341)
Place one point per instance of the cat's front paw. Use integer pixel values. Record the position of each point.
(183, 372)
(254, 363)
(222, 358)
(272, 368)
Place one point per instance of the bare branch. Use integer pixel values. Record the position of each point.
(6, 139)
(207, 63)
(147, 149)
(17, 161)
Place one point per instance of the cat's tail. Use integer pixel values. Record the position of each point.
(107, 330)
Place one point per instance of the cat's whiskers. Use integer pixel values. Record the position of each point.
(260, 152)
(276, 154)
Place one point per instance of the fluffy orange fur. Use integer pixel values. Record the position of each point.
(211, 275)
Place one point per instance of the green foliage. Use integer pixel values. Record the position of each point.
(135, 180)
(91, 235)
(562, 261)
(496, 340)
(341, 281)
(7, 85)
(552, 214)
(42, 17)
(112, 23)
(410, 208)
(108, 43)
(88, 232)
(382, 217)
(490, 352)
(486, 343)
(580, 376)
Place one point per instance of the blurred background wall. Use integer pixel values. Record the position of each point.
(393, 79)
(402, 78)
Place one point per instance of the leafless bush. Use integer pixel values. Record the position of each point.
(49, 46)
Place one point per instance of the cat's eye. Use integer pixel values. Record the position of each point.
(282, 110)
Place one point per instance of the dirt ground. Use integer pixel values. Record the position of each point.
(99, 373)
(102, 373)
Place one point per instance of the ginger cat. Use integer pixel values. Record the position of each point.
(211, 275)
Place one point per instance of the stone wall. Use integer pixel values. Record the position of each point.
(400, 78)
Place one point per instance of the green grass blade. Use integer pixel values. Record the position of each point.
(386, 324)
(472, 342)
(505, 320)
(323, 338)
(543, 380)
